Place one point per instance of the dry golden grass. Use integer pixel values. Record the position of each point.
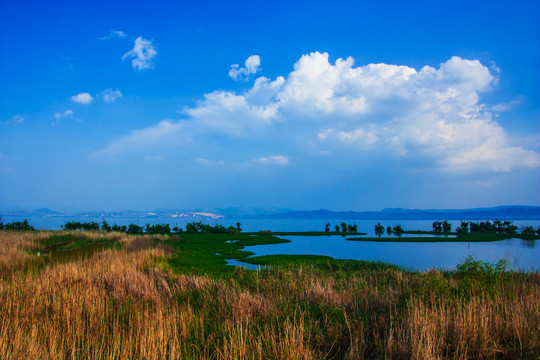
(119, 304)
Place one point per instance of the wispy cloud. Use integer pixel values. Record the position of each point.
(82, 98)
(110, 95)
(209, 163)
(17, 119)
(272, 160)
(154, 158)
(252, 66)
(142, 54)
(166, 132)
(114, 34)
(58, 116)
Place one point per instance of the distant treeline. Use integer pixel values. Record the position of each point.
(16, 226)
(193, 227)
(343, 228)
(495, 227)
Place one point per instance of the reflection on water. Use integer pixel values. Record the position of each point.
(529, 243)
(522, 254)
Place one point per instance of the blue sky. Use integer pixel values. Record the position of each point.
(294, 104)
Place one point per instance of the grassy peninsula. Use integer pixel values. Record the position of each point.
(95, 295)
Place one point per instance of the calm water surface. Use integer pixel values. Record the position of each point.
(521, 254)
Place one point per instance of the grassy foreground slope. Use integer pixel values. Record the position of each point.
(160, 297)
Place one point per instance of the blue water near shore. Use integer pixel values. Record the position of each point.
(521, 254)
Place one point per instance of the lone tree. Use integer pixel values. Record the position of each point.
(379, 229)
(446, 226)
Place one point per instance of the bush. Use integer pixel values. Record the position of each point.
(475, 275)
(528, 231)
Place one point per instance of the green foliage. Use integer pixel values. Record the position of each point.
(86, 226)
(200, 227)
(135, 229)
(463, 228)
(343, 228)
(156, 229)
(105, 226)
(17, 226)
(379, 229)
(497, 226)
(446, 226)
(118, 228)
(476, 276)
(528, 231)
(398, 229)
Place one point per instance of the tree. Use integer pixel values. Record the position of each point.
(18, 226)
(337, 228)
(379, 229)
(343, 227)
(463, 228)
(326, 228)
(135, 229)
(105, 226)
(446, 226)
(528, 231)
(238, 227)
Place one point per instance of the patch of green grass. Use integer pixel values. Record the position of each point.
(325, 263)
(207, 253)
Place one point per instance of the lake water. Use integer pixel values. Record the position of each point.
(521, 254)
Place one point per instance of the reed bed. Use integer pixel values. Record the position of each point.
(125, 303)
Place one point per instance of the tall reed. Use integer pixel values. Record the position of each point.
(126, 304)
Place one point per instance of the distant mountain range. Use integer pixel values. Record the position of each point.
(499, 212)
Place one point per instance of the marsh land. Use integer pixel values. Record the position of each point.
(97, 294)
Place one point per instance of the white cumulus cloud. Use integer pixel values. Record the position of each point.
(433, 116)
(82, 98)
(142, 54)
(252, 66)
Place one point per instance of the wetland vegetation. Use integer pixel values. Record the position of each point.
(100, 294)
